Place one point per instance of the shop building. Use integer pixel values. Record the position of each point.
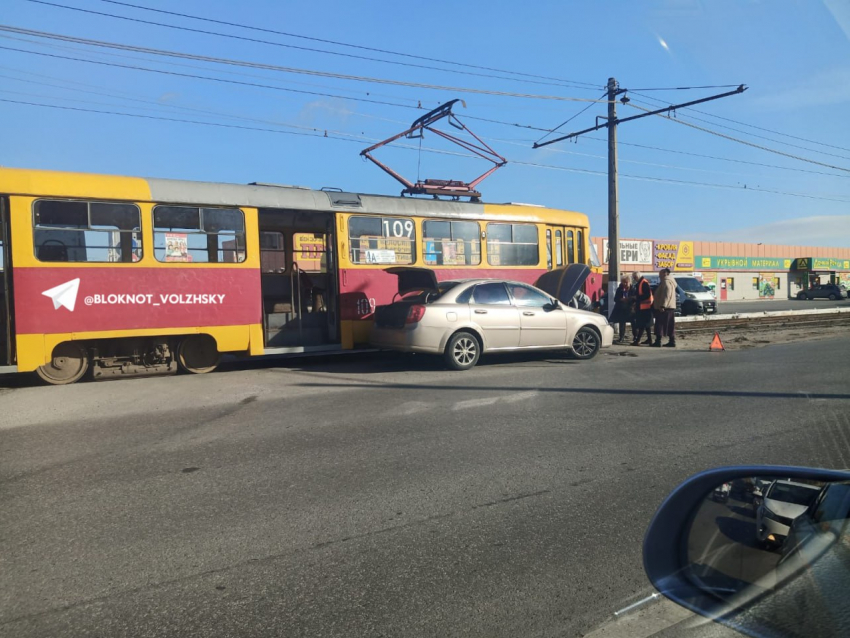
(737, 271)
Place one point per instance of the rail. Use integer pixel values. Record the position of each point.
(757, 320)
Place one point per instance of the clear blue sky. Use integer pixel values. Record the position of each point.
(794, 56)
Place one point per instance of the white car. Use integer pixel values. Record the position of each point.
(463, 319)
(783, 502)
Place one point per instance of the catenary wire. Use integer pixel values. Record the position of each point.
(283, 69)
(288, 46)
(352, 46)
(740, 141)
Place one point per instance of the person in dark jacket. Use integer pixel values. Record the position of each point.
(622, 308)
(643, 308)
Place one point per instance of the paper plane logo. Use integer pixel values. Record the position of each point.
(64, 294)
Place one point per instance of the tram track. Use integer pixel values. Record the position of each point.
(762, 321)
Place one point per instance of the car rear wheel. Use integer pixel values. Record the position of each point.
(586, 343)
(462, 351)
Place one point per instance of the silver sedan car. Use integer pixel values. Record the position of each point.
(463, 319)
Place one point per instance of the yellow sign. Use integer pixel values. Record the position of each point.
(706, 262)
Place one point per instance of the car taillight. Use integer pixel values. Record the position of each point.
(415, 313)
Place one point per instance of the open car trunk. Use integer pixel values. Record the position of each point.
(410, 280)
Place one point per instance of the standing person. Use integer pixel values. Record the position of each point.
(621, 311)
(643, 308)
(664, 306)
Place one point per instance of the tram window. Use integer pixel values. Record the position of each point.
(451, 243)
(559, 257)
(512, 245)
(580, 242)
(309, 251)
(200, 235)
(272, 252)
(382, 240)
(79, 231)
(571, 248)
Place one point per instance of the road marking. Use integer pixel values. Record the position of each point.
(411, 407)
(474, 403)
(644, 621)
(520, 396)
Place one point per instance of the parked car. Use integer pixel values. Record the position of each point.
(824, 291)
(698, 299)
(463, 319)
(721, 492)
(783, 501)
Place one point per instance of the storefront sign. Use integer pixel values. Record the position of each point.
(631, 252)
(676, 255)
(745, 263)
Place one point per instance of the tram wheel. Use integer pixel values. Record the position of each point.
(198, 354)
(69, 363)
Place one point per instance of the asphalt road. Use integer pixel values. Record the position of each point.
(381, 495)
(772, 305)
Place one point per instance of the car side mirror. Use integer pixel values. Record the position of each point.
(552, 305)
(762, 549)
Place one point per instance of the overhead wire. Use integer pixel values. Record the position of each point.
(740, 141)
(289, 46)
(284, 69)
(204, 77)
(416, 103)
(578, 84)
(567, 121)
(360, 138)
(763, 137)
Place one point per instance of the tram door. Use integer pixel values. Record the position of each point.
(298, 279)
(7, 354)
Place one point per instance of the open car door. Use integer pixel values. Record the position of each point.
(563, 283)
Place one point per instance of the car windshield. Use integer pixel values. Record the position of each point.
(796, 494)
(689, 284)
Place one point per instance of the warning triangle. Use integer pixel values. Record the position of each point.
(716, 343)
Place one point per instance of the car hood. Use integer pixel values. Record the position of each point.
(563, 283)
(783, 508)
(411, 279)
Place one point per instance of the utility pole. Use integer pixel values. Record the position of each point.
(613, 197)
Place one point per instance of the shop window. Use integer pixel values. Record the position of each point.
(777, 283)
(451, 243)
(199, 235)
(730, 283)
(382, 240)
(79, 231)
(755, 283)
(512, 245)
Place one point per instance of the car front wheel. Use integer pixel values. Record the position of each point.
(801, 296)
(462, 351)
(586, 343)
(832, 297)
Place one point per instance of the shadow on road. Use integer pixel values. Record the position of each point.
(742, 532)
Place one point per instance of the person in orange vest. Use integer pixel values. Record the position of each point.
(643, 308)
